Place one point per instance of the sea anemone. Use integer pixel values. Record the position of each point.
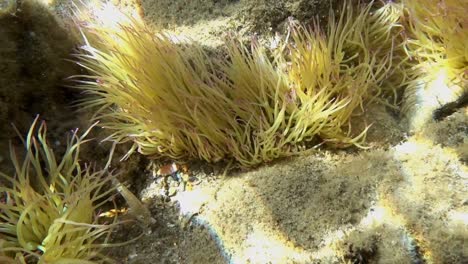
(335, 71)
(160, 94)
(436, 43)
(49, 206)
(384, 37)
(438, 31)
(174, 100)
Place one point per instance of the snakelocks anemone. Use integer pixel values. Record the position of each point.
(48, 208)
(437, 44)
(173, 100)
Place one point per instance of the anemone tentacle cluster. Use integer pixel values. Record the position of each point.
(49, 206)
(173, 100)
(437, 36)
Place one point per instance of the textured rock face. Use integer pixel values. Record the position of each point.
(428, 98)
(33, 52)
